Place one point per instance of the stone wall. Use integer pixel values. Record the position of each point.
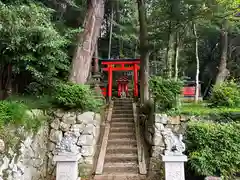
(31, 157)
(26, 161)
(153, 128)
(80, 129)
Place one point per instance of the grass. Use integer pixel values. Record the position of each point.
(15, 113)
(33, 102)
(202, 109)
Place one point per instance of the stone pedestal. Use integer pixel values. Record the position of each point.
(174, 167)
(67, 166)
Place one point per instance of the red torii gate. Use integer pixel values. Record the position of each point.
(121, 65)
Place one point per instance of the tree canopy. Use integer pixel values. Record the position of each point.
(39, 38)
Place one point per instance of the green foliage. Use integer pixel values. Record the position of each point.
(75, 96)
(18, 114)
(12, 113)
(34, 102)
(63, 95)
(15, 117)
(203, 109)
(29, 41)
(226, 94)
(213, 148)
(165, 92)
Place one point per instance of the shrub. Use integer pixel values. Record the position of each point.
(17, 114)
(33, 102)
(226, 94)
(165, 92)
(75, 96)
(15, 120)
(11, 113)
(213, 149)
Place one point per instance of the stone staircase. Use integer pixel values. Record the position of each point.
(121, 157)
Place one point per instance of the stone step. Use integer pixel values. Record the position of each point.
(123, 100)
(118, 142)
(122, 107)
(123, 139)
(120, 135)
(121, 158)
(122, 129)
(119, 111)
(121, 115)
(122, 111)
(130, 167)
(123, 103)
(122, 165)
(122, 124)
(122, 150)
(120, 176)
(124, 119)
(122, 146)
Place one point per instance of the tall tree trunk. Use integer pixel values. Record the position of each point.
(154, 71)
(135, 50)
(96, 56)
(222, 69)
(197, 64)
(86, 42)
(176, 56)
(173, 48)
(111, 32)
(118, 28)
(144, 52)
(170, 51)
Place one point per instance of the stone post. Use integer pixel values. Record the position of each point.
(67, 166)
(96, 66)
(174, 167)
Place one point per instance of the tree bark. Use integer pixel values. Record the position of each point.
(86, 42)
(144, 52)
(197, 65)
(170, 51)
(96, 56)
(176, 56)
(117, 27)
(111, 33)
(222, 70)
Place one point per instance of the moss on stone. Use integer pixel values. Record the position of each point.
(84, 170)
(156, 169)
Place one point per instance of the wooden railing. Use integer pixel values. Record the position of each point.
(140, 147)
